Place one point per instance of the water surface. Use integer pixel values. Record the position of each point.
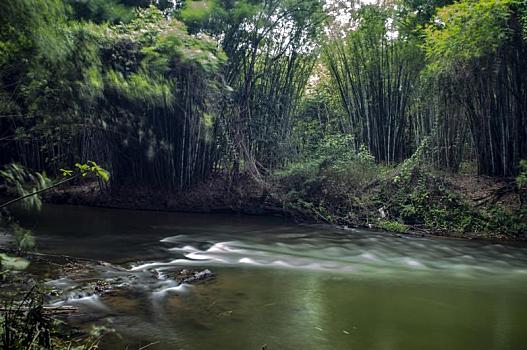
(288, 286)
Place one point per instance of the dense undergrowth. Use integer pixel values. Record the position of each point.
(340, 186)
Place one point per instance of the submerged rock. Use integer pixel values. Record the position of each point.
(101, 287)
(187, 276)
(198, 276)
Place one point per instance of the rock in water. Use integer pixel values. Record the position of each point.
(197, 276)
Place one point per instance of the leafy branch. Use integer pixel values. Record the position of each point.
(82, 170)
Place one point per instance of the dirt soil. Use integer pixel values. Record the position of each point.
(216, 195)
(480, 190)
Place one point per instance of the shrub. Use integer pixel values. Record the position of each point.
(393, 226)
(23, 238)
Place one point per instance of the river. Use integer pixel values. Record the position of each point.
(279, 285)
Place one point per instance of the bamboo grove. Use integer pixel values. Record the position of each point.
(449, 73)
(375, 76)
(139, 97)
(166, 94)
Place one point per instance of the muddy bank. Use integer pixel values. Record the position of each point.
(457, 198)
(215, 195)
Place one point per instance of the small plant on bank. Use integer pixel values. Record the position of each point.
(521, 179)
(24, 239)
(393, 226)
(10, 264)
(521, 182)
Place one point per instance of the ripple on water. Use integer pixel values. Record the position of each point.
(368, 256)
(357, 253)
(413, 263)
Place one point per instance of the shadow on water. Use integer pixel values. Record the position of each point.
(288, 286)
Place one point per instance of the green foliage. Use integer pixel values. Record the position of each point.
(24, 182)
(10, 264)
(120, 90)
(339, 146)
(139, 88)
(319, 114)
(89, 169)
(22, 329)
(335, 158)
(407, 168)
(521, 184)
(24, 239)
(114, 11)
(347, 187)
(333, 185)
(523, 20)
(31, 26)
(506, 221)
(467, 29)
(100, 11)
(471, 49)
(196, 11)
(417, 197)
(423, 199)
(269, 48)
(521, 179)
(18, 177)
(393, 226)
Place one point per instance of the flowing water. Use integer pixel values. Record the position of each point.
(279, 285)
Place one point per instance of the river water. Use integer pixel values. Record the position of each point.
(279, 285)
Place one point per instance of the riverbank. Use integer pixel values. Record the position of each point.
(419, 201)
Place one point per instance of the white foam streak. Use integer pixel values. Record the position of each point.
(152, 265)
(199, 256)
(248, 261)
(92, 301)
(187, 249)
(172, 239)
(163, 291)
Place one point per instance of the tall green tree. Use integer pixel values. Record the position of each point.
(269, 45)
(477, 50)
